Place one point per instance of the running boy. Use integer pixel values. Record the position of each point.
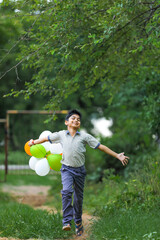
(73, 170)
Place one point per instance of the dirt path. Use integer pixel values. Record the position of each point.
(36, 196)
(32, 195)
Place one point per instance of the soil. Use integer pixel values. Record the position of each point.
(36, 196)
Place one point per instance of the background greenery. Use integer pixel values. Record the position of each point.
(101, 57)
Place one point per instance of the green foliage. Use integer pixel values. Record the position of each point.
(142, 188)
(74, 47)
(126, 209)
(10, 31)
(100, 57)
(94, 163)
(5, 197)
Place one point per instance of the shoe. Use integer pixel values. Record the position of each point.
(66, 227)
(79, 229)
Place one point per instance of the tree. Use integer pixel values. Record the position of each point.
(93, 53)
(76, 45)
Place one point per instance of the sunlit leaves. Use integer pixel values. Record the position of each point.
(74, 46)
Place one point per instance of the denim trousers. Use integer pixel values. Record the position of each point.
(73, 184)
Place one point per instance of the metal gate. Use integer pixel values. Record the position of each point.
(3, 165)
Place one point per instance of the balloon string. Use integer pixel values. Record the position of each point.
(47, 154)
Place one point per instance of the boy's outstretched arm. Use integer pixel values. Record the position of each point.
(37, 141)
(120, 156)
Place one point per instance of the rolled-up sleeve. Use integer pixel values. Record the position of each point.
(92, 141)
(54, 137)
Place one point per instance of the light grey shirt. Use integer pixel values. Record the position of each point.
(74, 148)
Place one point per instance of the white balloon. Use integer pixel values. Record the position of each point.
(42, 167)
(56, 148)
(46, 145)
(45, 133)
(32, 162)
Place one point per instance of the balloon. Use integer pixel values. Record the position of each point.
(56, 148)
(27, 149)
(46, 145)
(38, 151)
(32, 162)
(54, 161)
(42, 167)
(45, 133)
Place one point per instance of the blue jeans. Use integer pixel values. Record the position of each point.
(73, 182)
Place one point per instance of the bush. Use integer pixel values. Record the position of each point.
(127, 209)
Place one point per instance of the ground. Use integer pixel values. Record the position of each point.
(36, 196)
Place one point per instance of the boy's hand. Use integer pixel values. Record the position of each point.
(123, 158)
(31, 142)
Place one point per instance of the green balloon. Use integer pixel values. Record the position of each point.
(54, 161)
(38, 151)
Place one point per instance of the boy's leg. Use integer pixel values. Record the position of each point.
(78, 197)
(67, 182)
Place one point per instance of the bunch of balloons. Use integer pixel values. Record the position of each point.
(44, 156)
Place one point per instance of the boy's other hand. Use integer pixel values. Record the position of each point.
(123, 158)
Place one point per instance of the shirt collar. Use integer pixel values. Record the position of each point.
(67, 132)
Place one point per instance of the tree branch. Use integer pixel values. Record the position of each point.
(22, 38)
(141, 14)
(16, 70)
(24, 58)
(29, 30)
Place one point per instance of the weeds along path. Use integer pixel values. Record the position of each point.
(36, 196)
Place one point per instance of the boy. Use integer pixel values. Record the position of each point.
(73, 170)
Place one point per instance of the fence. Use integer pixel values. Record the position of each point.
(13, 161)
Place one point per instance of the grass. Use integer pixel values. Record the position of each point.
(106, 192)
(55, 198)
(30, 179)
(128, 210)
(24, 222)
(125, 209)
(53, 180)
(133, 224)
(21, 221)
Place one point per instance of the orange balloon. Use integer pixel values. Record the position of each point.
(27, 149)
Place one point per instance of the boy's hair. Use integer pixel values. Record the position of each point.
(72, 112)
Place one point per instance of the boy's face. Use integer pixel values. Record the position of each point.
(74, 121)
